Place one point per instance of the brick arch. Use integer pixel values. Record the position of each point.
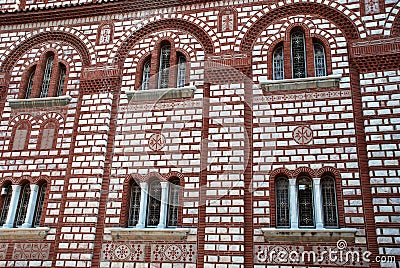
(328, 170)
(392, 23)
(153, 175)
(5, 180)
(304, 170)
(281, 171)
(331, 12)
(136, 177)
(165, 24)
(22, 117)
(176, 174)
(52, 116)
(12, 58)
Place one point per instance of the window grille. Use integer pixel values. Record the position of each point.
(61, 80)
(164, 66)
(305, 202)
(329, 202)
(134, 205)
(174, 192)
(23, 204)
(154, 204)
(47, 76)
(282, 202)
(30, 84)
(278, 63)
(146, 75)
(39, 204)
(6, 205)
(298, 54)
(319, 60)
(181, 80)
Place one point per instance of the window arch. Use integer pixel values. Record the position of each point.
(154, 204)
(47, 78)
(21, 136)
(278, 63)
(329, 203)
(305, 201)
(173, 204)
(134, 204)
(282, 202)
(6, 193)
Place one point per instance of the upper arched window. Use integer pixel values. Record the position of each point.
(21, 136)
(299, 58)
(48, 136)
(171, 69)
(47, 78)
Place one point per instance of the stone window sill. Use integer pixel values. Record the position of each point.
(161, 94)
(177, 234)
(301, 83)
(24, 234)
(309, 235)
(40, 102)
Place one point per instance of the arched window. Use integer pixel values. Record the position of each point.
(21, 136)
(282, 202)
(298, 53)
(278, 63)
(134, 204)
(319, 60)
(23, 204)
(6, 193)
(305, 201)
(61, 80)
(154, 204)
(48, 139)
(39, 204)
(173, 204)
(329, 206)
(29, 86)
(181, 77)
(105, 34)
(163, 71)
(146, 75)
(47, 76)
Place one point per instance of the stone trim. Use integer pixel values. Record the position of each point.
(39, 102)
(153, 234)
(309, 235)
(301, 83)
(161, 94)
(24, 234)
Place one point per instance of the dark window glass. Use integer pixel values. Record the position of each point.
(174, 192)
(319, 60)
(329, 202)
(146, 75)
(181, 79)
(6, 205)
(134, 205)
(23, 204)
(163, 71)
(39, 204)
(305, 202)
(47, 76)
(154, 204)
(282, 202)
(278, 63)
(61, 80)
(28, 90)
(298, 54)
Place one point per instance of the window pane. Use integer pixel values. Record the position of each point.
(6, 205)
(278, 66)
(305, 201)
(134, 205)
(47, 141)
(47, 76)
(174, 192)
(20, 136)
(319, 60)
(28, 90)
(298, 54)
(154, 204)
(181, 80)
(146, 75)
(329, 202)
(282, 203)
(163, 72)
(39, 204)
(23, 205)
(61, 80)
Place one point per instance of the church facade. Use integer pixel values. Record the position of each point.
(199, 133)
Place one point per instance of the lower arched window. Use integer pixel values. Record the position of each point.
(134, 204)
(282, 202)
(6, 193)
(174, 192)
(329, 206)
(39, 204)
(23, 204)
(305, 202)
(154, 204)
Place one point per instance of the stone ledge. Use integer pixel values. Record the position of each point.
(301, 83)
(177, 234)
(24, 234)
(309, 235)
(161, 94)
(40, 102)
